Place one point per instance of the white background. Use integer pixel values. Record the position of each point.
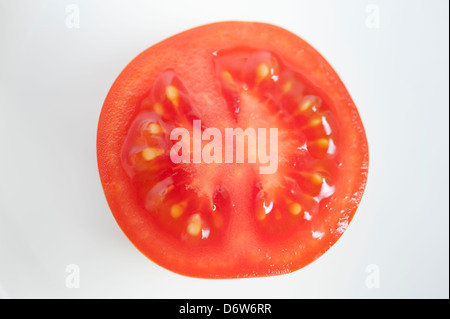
(53, 80)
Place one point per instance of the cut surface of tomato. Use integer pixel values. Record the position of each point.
(185, 172)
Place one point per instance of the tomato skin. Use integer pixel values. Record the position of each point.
(199, 76)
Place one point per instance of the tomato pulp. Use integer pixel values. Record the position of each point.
(183, 169)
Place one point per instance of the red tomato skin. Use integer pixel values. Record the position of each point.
(198, 74)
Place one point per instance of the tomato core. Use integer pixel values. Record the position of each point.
(261, 91)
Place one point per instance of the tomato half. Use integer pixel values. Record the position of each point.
(237, 207)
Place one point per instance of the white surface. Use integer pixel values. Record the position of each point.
(53, 80)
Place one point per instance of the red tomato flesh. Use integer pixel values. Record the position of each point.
(226, 219)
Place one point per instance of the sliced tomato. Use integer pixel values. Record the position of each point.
(219, 219)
